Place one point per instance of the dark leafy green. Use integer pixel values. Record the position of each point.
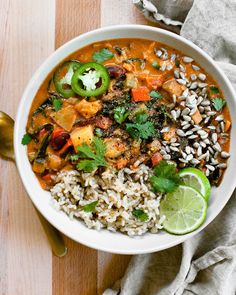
(214, 89)
(165, 178)
(156, 65)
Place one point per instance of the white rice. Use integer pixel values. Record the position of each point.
(117, 193)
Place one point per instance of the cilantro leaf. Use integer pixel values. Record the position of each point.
(91, 158)
(90, 207)
(74, 158)
(156, 65)
(165, 178)
(214, 89)
(140, 214)
(218, 103)
(57, 104)
(155, 94)
(26, 139)
(98, 132)
(141, 128)
(102, 55)
(120, 114)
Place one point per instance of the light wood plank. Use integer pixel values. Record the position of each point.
(77, 272)
(111, 267)
(26, 38)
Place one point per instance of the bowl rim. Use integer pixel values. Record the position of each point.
(23, 177)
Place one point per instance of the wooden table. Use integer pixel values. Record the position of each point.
(30, 30)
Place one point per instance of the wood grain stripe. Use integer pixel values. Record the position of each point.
(26, 38)
(78, 270)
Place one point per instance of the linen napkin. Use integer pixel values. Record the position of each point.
(206, 263)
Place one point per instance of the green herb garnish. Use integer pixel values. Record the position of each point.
(74, 158)
(90, 207)
(141, 128)
(92, 157)
(214, 89)
(177, 62)
(155, 94)
(98, 132)
(26, 139)
(156, 65)
(218, 103)
(140, 214)
(165, 178)
(120, 114)
(57, 104)
(102, 55)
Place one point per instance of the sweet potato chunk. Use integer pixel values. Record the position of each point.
(65, 117)
(115, 147)
(88, 108)
(82, 135)
(173, 87)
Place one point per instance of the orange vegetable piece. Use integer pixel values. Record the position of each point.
(156, 158)
(227, 125)
(140, 94)
(121, 163)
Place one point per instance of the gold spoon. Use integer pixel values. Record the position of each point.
(7, 152)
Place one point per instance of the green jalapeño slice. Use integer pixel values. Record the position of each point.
(62, 77)
(91, 79)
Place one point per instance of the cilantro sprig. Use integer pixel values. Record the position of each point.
(26, 139)
(141, 128)
(140, 214)
(90, 207)
(214, 89)
(57, 104)
(91, 157)
(155, 94)
(165, 178)
(218, 103)
(102, 55)
(120, 114)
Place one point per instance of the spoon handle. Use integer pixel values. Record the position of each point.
(7, 152)
(54, 237)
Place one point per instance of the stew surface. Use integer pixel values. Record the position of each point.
(139, 117)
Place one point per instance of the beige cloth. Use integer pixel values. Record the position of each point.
(206, 263)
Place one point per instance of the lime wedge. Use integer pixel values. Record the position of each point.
(196, 179)
(184, 209)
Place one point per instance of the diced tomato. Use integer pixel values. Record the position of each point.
(156, 158)
(47, 177)
(155, 81)
(140, 94)
(65, 147)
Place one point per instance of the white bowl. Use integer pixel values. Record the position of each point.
(76, 230)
